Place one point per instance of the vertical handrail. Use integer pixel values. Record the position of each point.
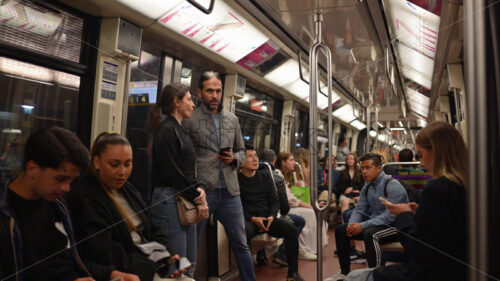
(458, 110)
(313, 135)
(368, 128)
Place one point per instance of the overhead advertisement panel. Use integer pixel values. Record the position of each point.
(414, 26)
(224, 31)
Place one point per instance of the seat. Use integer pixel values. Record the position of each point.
(264, 241)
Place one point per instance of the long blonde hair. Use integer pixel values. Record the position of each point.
(386, 156)
(301, 156)
(449, 151)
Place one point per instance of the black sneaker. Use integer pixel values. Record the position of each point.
(261, 257)
(294, 277)
(359, 258)
(280, 260)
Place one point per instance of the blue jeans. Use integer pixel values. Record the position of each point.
(166, 217)
(229, 211)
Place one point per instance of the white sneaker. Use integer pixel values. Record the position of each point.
(338, 276)
(307, 256)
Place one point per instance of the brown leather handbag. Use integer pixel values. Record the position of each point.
(188, 212)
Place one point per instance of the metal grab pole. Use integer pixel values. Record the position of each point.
(368, 128)
(313, 135)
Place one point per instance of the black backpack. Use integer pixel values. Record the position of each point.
(413, 195)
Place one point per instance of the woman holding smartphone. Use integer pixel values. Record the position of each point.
(174, 172)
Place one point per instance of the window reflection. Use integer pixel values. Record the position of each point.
(33, 97)
(256, 103)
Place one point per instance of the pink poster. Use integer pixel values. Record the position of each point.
(433, 6)
(258, 55)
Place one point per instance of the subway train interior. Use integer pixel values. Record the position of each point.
(298, 74)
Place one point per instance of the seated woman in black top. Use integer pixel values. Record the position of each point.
(110, 218)
(434, 232)
(351, 182)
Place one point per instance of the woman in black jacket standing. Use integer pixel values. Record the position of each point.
(174, 172)
(110, 218)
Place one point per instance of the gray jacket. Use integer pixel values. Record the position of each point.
(201, 128)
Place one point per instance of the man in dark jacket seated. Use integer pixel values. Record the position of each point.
(260, 207)
(36, 237)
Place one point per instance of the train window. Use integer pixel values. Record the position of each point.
(33, 97)
(256, 103)
(301, 129)
(258, 132)
(256, 112)
(41, 28)
(143, 88)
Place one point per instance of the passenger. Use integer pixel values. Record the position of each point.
(323, 175)
(362, 227)
(269, 156)
(351, 183)
(323, 182)
(36, 237)
(261, 205)
(219, 147)
(303, 173)
(174, 172)
(307, 239)
(343, 149)
(386, 158)
(406, 155)
(436, 231)
(111, 220)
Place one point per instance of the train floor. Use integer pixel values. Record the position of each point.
(307, 269)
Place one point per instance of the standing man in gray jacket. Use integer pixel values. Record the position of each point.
(220, 150)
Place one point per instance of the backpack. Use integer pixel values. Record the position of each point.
(413, 195)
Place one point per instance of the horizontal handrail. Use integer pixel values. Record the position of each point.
(201, 8)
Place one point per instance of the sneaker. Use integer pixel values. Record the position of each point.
(307, 256)
(338, 276)
(280, 260)
(359, 258)
(261, 257)
(294, 277)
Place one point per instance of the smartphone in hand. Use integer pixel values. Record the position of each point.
(224, 151)
(382, 199)
(181, 264)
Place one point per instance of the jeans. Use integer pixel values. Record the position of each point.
(229, 211)
(280, 229)
(299, 223)
(166, 216)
